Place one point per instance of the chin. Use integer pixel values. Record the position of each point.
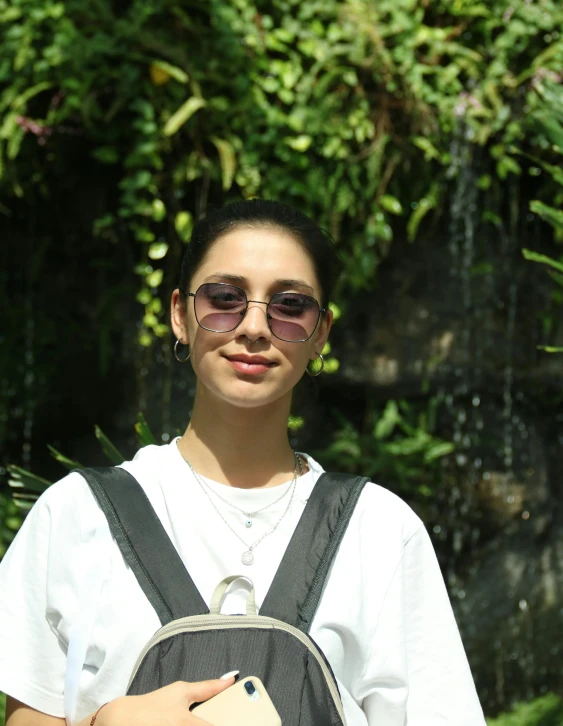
(252, 393)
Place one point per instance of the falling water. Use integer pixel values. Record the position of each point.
(28, 380)
(508, 380)
(461, 400)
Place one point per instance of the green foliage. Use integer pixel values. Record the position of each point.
(114, 456)
(2, 708)
(554, 217)
(396, 445)
(347, 109)
(28, 486)
(10, 522)
(543, 259)
(144, 434)
(544, 711)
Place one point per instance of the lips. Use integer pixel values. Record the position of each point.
(250, 364)
(251, 359)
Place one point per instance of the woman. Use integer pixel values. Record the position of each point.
(229, 493)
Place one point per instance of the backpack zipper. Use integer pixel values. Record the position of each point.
(213, 622)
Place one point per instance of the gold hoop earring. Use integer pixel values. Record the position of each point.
(180, 360)
(318, 373)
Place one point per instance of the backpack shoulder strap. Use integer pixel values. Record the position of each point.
(296, 590)
(144, 543)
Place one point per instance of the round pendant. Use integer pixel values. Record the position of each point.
(248, 523)
(247, 557)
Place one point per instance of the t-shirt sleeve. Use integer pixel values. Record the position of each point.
(417, 654)
(36, 575)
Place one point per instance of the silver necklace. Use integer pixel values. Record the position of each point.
(248, 555)
(249, 516)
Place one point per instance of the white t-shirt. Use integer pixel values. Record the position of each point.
(384, 621)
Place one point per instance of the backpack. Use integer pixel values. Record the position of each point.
(198, 643)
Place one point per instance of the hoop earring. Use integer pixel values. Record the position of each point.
(318, 373)
(180, 360)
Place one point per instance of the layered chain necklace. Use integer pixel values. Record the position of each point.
(249, 516)
(247, 557)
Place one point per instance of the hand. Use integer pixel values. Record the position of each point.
(168, 706)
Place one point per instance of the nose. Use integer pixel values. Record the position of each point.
(254, 325)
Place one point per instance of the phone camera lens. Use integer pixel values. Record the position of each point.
(249, 688)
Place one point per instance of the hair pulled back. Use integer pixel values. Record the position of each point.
(260, 213)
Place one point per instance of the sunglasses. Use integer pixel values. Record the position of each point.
(291, 316)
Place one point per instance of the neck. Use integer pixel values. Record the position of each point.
(245, 448)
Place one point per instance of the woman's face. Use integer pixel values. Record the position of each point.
(249, 366)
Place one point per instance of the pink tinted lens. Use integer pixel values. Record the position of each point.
(219, 307)
(293, 317)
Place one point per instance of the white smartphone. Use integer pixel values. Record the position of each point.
(246, 703)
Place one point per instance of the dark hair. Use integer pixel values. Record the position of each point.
(263, 213)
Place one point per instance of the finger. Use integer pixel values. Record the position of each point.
(203, 690)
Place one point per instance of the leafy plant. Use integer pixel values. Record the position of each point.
(396, 446)
(544, 711)
(10, 522)
(347, 109)
(28, 486)
(554, 217)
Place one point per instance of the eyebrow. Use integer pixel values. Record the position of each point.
(238, 279)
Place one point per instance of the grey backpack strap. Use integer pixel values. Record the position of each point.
(294, 594)
(144, 543)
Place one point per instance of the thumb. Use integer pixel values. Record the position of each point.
(204, 690)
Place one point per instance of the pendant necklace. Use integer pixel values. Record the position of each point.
(249, 516)
(247, 557)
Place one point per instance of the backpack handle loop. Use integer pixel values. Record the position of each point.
(221, 591)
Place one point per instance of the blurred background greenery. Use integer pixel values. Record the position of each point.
(427, 138)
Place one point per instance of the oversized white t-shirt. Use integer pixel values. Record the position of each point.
(384, 620)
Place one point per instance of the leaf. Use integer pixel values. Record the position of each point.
(344, 447)
(14, 143)
(146, 436)
(300, 143)
(331, 365)
(484, 182)
(407, 447)
(158, 250)
(483, 268)
(336, 311)
(507, 165)
(294, 423)
(166, 70)
(555, 171)
(106, 154)
(153, 279)
(64, 460)
(424, 144)
(158, 210)
(556, 276)
(438, 450)
(391, 204)
(24, 502)
(542, 259)
(389, 419)
(20, 101)
(21, 478)
(112, 453)
(428, 202)
(183, 225)
(183, 114)
(550, 348)
(228, 160)
(551, 215)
